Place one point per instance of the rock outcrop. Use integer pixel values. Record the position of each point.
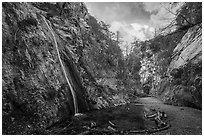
(189, 49)
(184, 85)
(42, 63)
(46, 74)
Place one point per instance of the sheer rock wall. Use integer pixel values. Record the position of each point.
(33, 82)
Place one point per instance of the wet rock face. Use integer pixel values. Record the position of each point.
(33, 82)
(185, 88)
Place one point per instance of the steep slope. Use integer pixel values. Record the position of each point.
(189, 49)
(42, 75)
(48, 66)
(184, 86)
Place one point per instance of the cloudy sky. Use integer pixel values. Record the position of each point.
(133, 19)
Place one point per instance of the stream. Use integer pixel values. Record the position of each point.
(125, 119)
(129, 119)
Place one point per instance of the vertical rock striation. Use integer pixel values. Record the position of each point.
(184, 87)
(41, 62)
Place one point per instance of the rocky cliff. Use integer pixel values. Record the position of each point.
(184, 85)
(43, 77)
(189, 49)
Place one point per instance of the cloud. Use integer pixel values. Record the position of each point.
(128, 12)
(133, 19)
(160, 16)
(152, 6)
(128, 32)
(129, 18)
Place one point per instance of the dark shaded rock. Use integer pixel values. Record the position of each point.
(176, 73)
(33, 81)
(183, 88)
(186, 90)
(146, 88)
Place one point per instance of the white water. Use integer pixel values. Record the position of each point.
(63, 69)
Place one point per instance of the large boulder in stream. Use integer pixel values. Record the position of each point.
(184, 85)
(40, 43)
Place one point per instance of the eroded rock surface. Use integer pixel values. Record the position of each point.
(36, 37)
(184, 86)
(189, 49)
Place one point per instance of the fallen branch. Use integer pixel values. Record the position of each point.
(111, 124)
(87, 132)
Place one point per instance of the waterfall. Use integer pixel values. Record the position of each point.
(63, 69)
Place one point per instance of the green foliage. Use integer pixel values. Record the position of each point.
(27, 23)
(130, 68)
(189, 15)
(103, 52)
(186, 85)
(165, 43)
(162, 48)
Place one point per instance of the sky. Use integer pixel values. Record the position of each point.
(133, 19)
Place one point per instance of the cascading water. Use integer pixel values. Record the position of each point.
(63, 69)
